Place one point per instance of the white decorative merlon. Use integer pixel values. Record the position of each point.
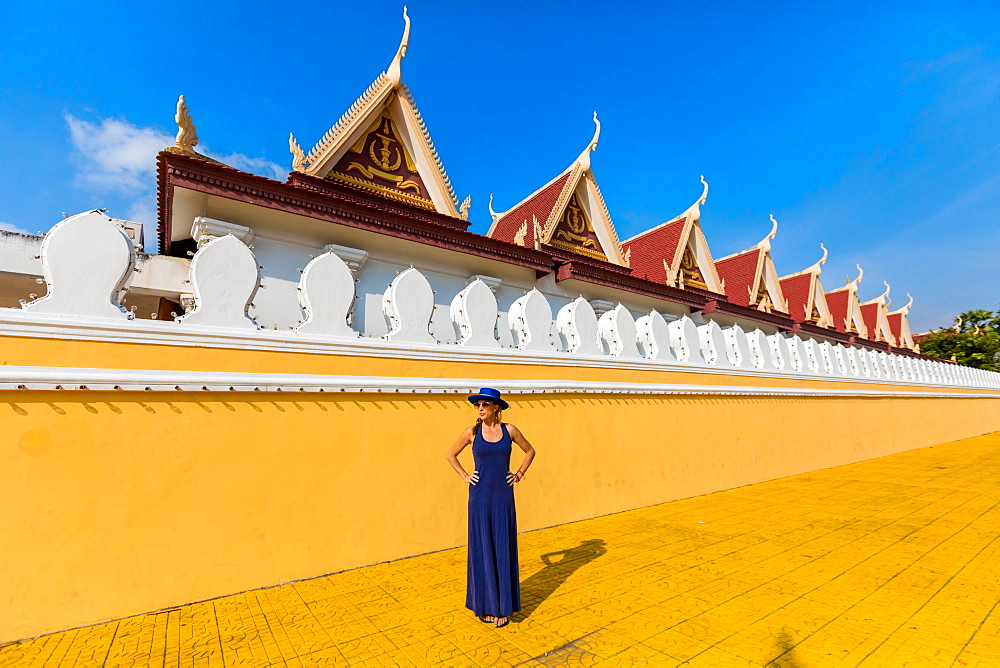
(653, 335)
(617, 331)
(204, 230)
(797, 359)
(224, 279)
(87, 264)
(326, 294)
(352, 257)
(811, 360)
(761, 351)
(474, 312)
(408, 303)
(714, 347)
(576, 322)
(738, 347)
(840, 360)
(530, 320)
(685, 341)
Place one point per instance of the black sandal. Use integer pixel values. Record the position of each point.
(486, 619)
(501, 622)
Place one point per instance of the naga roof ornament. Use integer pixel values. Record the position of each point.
(381, 145)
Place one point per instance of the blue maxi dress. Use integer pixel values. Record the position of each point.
(493, 586)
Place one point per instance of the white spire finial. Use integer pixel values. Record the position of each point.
(906, 309)
(861, 274)
(493, 214)
(584, 159)
(885, 295)
(694, 211)
(765, 243)
(395, 72)
(826, 254)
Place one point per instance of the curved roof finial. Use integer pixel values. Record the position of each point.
(861, 274)
(394, 72)
(694, 211)
(886, 293)
(765, 243)
(584, 159)
(597, 133)
(819, 263)
(493, 214)
(906, 309)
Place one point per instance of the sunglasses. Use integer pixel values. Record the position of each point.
(483, 403)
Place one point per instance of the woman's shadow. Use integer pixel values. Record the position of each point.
(555, 572)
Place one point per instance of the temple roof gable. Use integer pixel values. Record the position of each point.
(676, 252)
(568, 213)
(750, 276)
(381, 145)
(804, 294)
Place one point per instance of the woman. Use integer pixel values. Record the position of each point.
(493, 591)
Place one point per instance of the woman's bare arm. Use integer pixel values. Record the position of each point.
(522, 442)
(452, 457)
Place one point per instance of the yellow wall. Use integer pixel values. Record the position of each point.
(116, 503)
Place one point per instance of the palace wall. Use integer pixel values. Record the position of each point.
(127, 501)
(152, 463)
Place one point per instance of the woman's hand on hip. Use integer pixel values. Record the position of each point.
(472, 478)
(512, 478)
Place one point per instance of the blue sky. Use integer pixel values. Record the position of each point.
(871, 127)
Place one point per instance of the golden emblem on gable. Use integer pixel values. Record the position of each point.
(378, 161)
(575, 231)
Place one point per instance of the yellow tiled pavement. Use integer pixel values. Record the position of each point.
(890, 562)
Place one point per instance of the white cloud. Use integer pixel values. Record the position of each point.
(9, 227)
(114, 155)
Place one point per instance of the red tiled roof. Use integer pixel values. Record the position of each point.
(649, 250)
(896, 326)
(837, 301)
(540, 205)
(739, 273)
(869, 313)
(796, 291)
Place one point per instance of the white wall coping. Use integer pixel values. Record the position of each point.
(76, 379)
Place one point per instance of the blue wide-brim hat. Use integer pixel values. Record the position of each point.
(489, 394)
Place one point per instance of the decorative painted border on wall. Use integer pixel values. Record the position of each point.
(70, 379)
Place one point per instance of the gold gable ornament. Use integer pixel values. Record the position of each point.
(379, 162)
(574, 232)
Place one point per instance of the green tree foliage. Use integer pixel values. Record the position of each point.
(974, 340)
